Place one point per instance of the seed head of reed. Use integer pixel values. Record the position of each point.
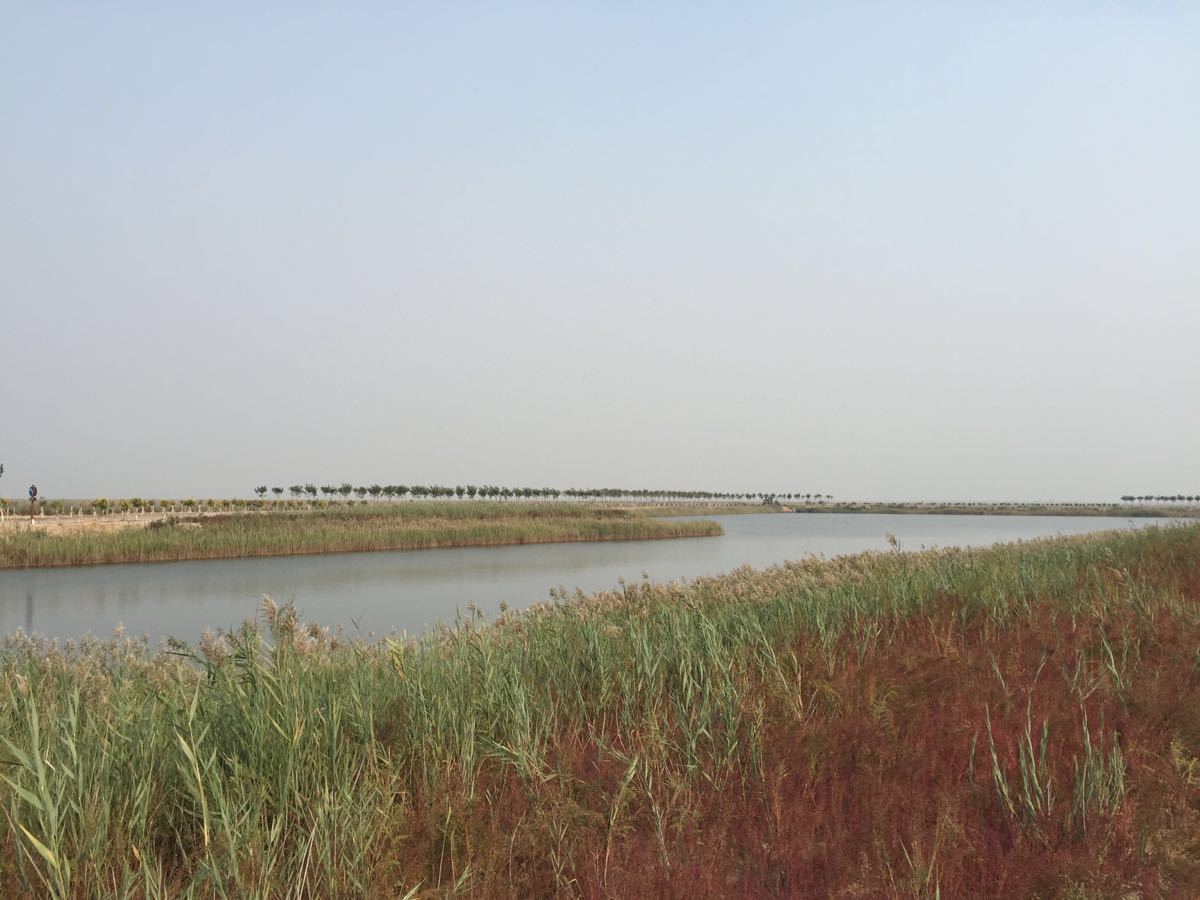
(214, 647)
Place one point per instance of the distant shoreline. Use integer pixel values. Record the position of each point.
(1116, 511)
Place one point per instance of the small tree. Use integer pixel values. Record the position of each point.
(261, 490)
(277, 491)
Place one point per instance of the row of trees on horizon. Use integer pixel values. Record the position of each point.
(1160, 498)
(497, 492)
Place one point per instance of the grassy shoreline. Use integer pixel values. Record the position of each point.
(1115, 510)
(344, 530)
(1013, 721)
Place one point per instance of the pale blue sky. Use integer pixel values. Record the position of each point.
(876, 250)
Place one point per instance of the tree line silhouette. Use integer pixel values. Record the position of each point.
(1160, 498)
(498, 492)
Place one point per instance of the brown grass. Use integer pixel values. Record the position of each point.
(349, 529)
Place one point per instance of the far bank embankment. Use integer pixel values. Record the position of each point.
(348, 530)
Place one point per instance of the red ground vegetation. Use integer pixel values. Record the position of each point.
(877, 778)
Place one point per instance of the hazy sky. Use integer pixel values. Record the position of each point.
(875, 250)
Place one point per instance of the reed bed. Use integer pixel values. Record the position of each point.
(409, 526)
(1015, 721)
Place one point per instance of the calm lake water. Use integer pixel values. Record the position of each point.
(410, 590)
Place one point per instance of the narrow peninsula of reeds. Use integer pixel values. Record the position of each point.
(406, 526)
(1009, 722)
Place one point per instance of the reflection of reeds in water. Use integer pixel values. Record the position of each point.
(412, 526)
(1014, 721)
